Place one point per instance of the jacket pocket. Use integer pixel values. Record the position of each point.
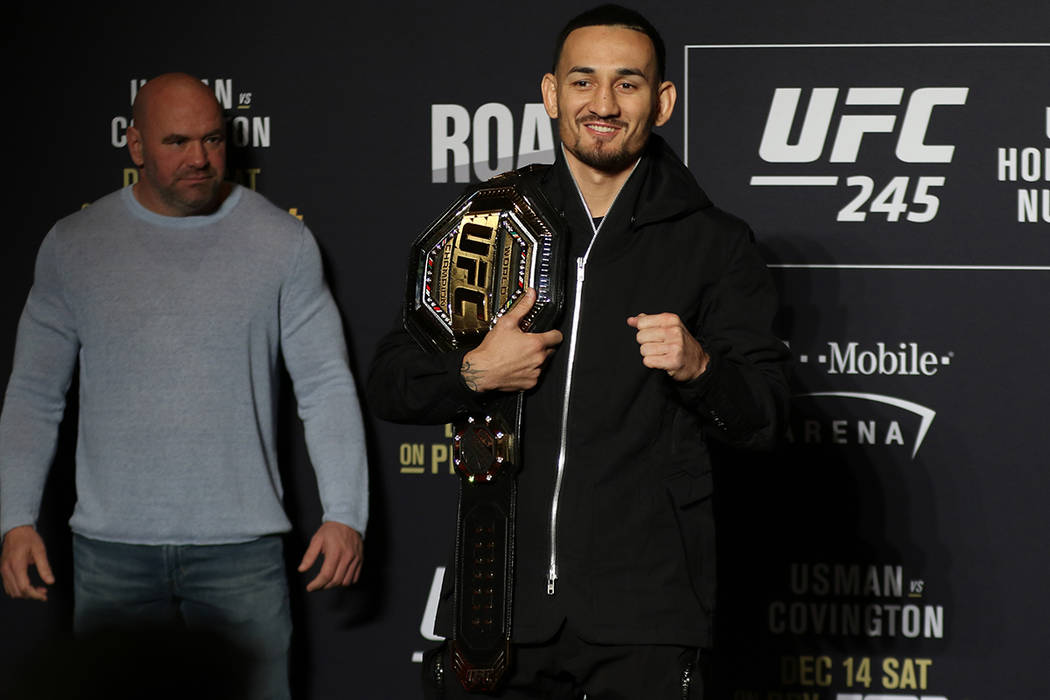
(687, 489)
(688, 447)
(691, 501)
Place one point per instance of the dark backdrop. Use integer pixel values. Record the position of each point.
(896, 546)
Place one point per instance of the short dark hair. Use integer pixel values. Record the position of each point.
(614, 16)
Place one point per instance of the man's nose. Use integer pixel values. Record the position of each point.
(197, 155)
(605, 103)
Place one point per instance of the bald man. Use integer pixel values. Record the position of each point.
(175, 296)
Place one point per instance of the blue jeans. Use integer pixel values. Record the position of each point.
(237, 590)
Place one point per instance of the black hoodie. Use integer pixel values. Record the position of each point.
(633, 538)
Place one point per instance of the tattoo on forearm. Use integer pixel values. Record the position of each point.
(470, 375)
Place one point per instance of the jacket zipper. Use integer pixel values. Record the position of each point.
(552, 574)
(581, 263)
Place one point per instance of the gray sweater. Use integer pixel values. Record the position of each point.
(178, 323)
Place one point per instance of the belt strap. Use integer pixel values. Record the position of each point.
(485, 454)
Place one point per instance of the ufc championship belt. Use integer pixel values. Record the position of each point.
(465, 272)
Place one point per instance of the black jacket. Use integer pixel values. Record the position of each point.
(634, 531)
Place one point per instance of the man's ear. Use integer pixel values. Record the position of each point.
(549, 88)
(666, 96)
(135, 146)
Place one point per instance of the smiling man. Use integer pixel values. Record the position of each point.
(665, 343)
(175, 297)
(607, 93)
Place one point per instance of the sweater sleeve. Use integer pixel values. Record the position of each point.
(46, 350)
(743, 396)
(315, 355)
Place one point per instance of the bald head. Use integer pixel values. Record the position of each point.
(170, 86)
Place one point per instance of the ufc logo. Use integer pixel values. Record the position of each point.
(911, 139)
(473, 259)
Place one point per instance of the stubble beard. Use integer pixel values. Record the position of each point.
(197, 199)
(606, 160)
(603, 160)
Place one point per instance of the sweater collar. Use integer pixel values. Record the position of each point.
(180, 222)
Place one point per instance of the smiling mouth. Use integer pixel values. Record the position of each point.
(602, 128)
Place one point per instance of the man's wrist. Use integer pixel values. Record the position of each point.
(704, 363)
(470, 374)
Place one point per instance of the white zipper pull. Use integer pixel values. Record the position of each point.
(551, 578)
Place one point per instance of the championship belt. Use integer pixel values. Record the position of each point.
(466, 271)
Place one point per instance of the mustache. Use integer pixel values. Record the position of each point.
(617, 123)
(196, 172)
